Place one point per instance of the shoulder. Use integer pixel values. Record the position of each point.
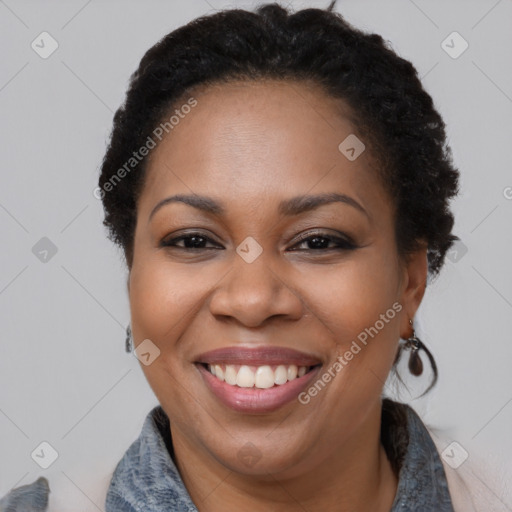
(430, 460)
(44, 496)
(475, 485)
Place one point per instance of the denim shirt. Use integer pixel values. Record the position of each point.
(147, 480)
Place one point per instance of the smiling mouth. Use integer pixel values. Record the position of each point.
(260, 377)
(257, 380)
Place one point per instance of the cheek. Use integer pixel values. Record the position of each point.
(162, 297)
(167, 299)
(359, 302)
(357, 293)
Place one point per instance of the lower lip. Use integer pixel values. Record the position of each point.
(254, 399)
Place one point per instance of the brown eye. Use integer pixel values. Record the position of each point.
(319, 241)
(191, 241)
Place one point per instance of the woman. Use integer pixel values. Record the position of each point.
(279, 184)
(294, 201)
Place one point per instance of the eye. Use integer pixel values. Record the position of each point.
(196, 241)
(321, 241)
(191, 241)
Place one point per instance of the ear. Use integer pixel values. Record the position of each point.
(413, 288)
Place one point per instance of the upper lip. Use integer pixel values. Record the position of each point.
(258, 356)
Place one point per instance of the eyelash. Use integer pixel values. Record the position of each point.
(344, 244)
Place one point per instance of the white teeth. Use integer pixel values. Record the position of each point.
(281, 375)
(219, 373)
(245, 377)
(261, 377)
(230, 375)
(292, 372)
(264, 377)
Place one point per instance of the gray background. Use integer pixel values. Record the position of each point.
(64, 375)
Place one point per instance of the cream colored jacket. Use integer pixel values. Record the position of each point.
(474, 486)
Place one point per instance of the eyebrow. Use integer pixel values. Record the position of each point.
(287, 208)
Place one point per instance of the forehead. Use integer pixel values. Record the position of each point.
(247, 141)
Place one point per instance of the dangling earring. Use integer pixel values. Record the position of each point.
(129, 339)
(415, 363)
(415, 344)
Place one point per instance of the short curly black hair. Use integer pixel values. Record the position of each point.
(393, 112)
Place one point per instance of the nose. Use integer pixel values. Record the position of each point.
(252, 293)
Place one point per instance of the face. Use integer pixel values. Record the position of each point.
(279, 273)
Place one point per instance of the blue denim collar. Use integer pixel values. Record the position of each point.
(422, 483)
(147, 480)
(27, 498)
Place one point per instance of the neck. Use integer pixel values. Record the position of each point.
(356, 475)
